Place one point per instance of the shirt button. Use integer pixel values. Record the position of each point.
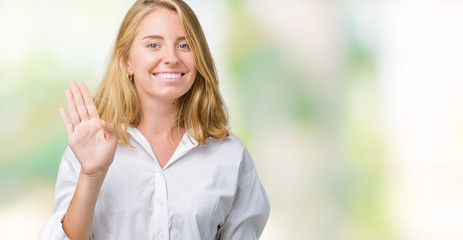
(161, 204)
(162, 236)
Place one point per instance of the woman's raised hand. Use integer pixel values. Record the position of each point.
(92, 140)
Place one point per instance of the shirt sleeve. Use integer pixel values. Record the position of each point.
(250, 209)
(66, 183)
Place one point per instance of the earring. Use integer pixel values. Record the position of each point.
(130, 77)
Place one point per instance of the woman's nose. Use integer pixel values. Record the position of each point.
(170, 56)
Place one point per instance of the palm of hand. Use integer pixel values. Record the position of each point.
(91, 147)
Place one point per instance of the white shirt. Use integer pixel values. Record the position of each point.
(210, 191)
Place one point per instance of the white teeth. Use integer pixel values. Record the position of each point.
(168, 75)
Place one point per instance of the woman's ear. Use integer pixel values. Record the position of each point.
(129, 69)
(126, 65)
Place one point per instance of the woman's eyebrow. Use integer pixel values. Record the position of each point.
(181, 38)
(153, 36)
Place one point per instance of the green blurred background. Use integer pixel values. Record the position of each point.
(352, 110)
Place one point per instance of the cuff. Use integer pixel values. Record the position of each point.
(53, 229)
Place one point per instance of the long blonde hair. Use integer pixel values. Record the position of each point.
(201, 110)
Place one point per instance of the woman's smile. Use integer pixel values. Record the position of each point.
(169, 76)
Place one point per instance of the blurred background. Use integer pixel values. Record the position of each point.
(351, 109)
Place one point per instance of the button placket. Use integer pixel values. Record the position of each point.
(160, 208)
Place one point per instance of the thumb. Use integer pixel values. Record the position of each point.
(108, 130)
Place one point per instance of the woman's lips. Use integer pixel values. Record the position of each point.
(168, 75)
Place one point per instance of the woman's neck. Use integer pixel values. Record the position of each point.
(157, 119)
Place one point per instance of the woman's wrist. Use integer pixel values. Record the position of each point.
(93, 178)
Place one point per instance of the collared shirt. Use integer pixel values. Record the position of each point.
(210, 191)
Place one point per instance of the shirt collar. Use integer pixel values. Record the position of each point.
(186, 144)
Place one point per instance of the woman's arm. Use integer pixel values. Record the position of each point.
(250, 209)
(94, 143)
(77, 222)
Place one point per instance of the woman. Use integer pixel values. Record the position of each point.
(162, 164)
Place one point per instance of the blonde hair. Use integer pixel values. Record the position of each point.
(201, 110)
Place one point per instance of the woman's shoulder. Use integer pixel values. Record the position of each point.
(232, 142)
(231, 148)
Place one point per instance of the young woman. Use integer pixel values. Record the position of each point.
(150, 156)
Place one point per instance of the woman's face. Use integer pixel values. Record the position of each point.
(160, 58)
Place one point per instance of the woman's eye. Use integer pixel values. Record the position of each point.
(184, 46)
(153, 45)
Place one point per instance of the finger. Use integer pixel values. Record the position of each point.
(91, 109)
(72, 108)
(108, 130)
(80, 106)
(67, 124)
